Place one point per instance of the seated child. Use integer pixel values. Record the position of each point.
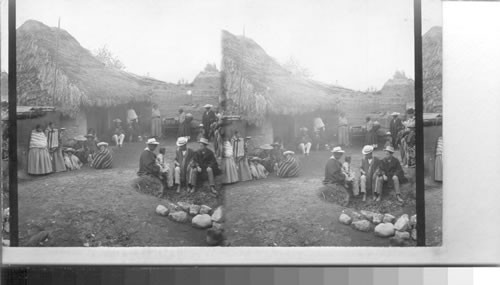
(349, 173)
(165, 172)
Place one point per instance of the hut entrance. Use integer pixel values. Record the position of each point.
(98, 119)
(284, 128)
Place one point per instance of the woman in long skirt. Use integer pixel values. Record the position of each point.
(229, 169)
(371, 135)
(54, 147)
(155, 122)
(239, 150)
(343, 136)
(39, 161)
(438, 166)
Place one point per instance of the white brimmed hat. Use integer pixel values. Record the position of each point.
(395, 114)
(389, 149)
(203, 141)
(337, 149)
(102, 144)
(152, 141)
(181, 141)
(207, 106)
(117, 120)
(367, 149)
(288, 152)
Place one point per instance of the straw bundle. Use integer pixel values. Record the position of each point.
(255, 85)
(54, 69)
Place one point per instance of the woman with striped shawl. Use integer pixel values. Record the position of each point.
(54, 147)
(289, 166)
(102, 159)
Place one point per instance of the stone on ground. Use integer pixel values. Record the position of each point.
(217, 215)
(162, 210)
(368, 215)
(377, 218)
(414, 234)
(194, 210)
(388, 218)
(171, 206)
(202, 221)
(184, 206)
(217, 226)
(413, 221)
(403, 223)
(384, 230)
(204, 209)
(403, 235)
(396, 241)
(345, 219)
(179, 216)
(214, 237)
(362, 225)
(6, 242)
(38, 238)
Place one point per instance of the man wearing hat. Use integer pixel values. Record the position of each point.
(102, 159)
(289, 166)
(390, 172)
(182, 165)
(147, 161)
(369, 167)
(205, 165)
(208, 119)
(333, 168)
(395, 126)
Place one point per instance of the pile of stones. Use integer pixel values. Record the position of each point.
(400, 230)
(200, 217)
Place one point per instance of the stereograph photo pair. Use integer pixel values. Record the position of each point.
(274, 126)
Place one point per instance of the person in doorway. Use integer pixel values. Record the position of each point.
(118, 133)
(183, 165)
(147, 160)
(343, 131)
(155, 122)
(208, 119)
(304, 142)
(206, 165)
(181, 118)
(390, 173)
(369, 168)
(132, 115)
(102, 159)
(371, 135)
(39, 161)
(54, 146)
(395, 126)
(289, 166)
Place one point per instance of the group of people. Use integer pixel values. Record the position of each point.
(375, 173)
(46, 154)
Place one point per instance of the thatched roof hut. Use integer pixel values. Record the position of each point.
(255, 85)
(54, 69)
(432, 48)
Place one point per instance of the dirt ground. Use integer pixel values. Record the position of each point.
(101, 208)
(289, 212)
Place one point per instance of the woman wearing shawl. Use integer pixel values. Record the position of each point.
(155, 122)
(53, 145)
(343, 129)
(102, 159)
(239, 150)
(228, 165)
(39, 161)
(289, 166)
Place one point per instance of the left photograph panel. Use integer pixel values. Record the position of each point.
(116, 107)
(4, 141)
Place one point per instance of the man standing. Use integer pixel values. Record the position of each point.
(205, 164)
(183, 165)
(390, 172)
(208, 119)
(369, 166)
(118, 133)
(333, 168)
(147, 161)
(395, 126)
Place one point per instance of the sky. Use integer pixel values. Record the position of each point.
(357, 44)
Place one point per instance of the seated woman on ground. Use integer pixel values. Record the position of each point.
(289, 166)
(102, 159)
(71, 160)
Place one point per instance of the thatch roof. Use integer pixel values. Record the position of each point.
(432, 48)
(50, 56)
(255, 85)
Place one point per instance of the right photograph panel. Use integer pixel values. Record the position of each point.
(317, 138)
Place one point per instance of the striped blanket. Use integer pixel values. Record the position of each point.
(102, 160)
(288, 167)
